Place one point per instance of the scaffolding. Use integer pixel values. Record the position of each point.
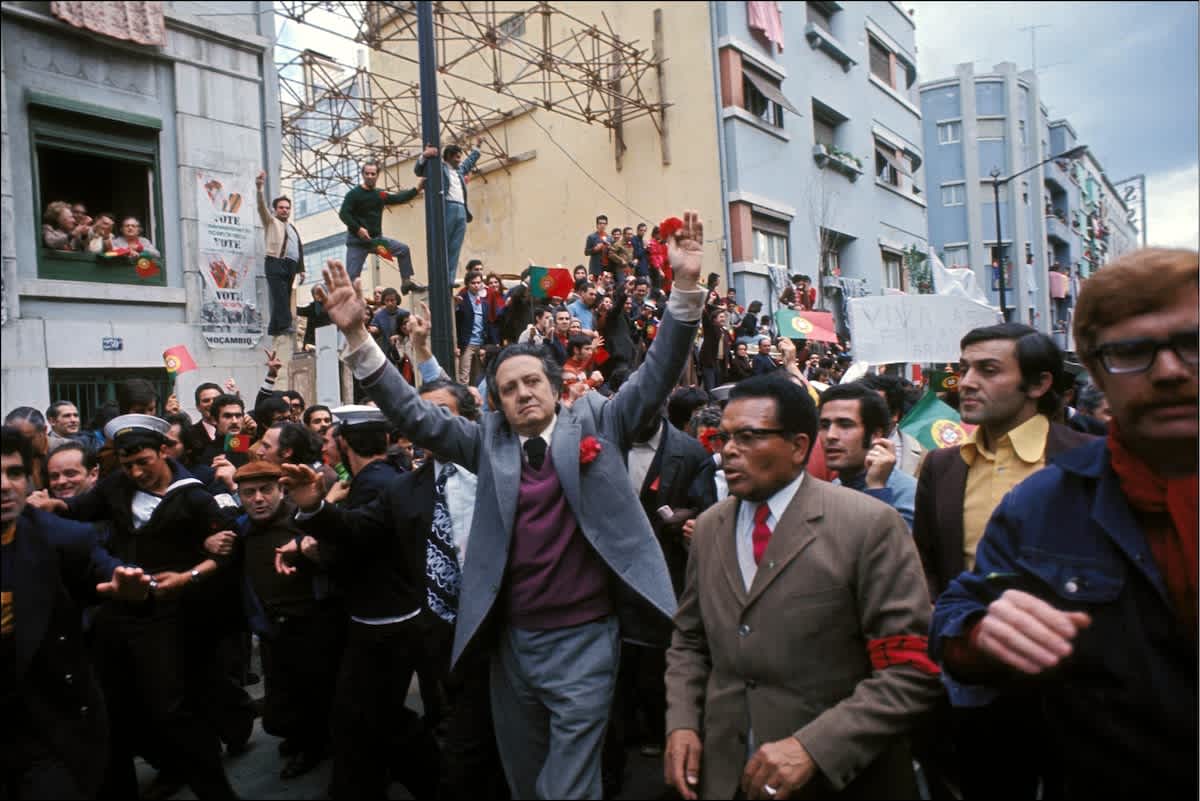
(494, 64)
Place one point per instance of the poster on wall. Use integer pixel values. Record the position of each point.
(229, 313)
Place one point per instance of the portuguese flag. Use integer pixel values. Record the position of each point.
(237, 443)
(934, 424)
(380, 248)
(178, 360)
(146, 267)
(550, 282)
(943, 381)
(817, 326)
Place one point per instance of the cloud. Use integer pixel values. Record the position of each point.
(1173, 208)
(1123, 74)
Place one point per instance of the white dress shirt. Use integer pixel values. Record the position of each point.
(641, 456)
(744, 529)
(460, 502)
(454, 187)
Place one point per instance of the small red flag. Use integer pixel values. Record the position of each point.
(381, 249)
(550, 282)
(178, 360)
(146, 267)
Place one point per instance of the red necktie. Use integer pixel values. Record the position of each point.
(762, 532)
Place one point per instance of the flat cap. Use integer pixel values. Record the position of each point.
(258, 469)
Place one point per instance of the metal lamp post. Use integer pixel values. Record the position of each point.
(1073, 153)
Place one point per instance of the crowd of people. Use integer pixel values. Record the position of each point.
(626, 518)
(69, 227)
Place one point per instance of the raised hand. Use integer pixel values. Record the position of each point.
(260, 179)
(430, 152)
(418, 333)
(303, 485)
(273, 363)
(343, 300)
(686, 251)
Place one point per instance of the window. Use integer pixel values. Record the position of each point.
(818, 15)
(90, 388)
(881, 61)
(1021, 131)
(954, 194)
(763, 97)
(949, 132)
(512, 27)
(770, 241)
(990, 128)
(888, 166)
(893, 270)
(957, 256)
(824, 133)
(108, 162)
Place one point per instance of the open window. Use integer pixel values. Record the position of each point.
(104, 161)
(763, 97)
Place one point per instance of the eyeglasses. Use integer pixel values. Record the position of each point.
(1137, 355)
(745, 437)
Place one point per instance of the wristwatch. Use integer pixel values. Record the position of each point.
(195, 575)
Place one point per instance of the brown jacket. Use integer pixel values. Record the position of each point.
(938, 514)
(791, 656)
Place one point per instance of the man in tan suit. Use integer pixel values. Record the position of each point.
(798, 662)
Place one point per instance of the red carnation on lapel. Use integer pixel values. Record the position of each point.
(589, 449)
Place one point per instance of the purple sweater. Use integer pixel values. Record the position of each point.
(555, 578)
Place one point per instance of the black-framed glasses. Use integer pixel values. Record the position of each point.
(745, 437)
(1136, 355)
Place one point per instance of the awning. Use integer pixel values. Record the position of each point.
(770, 91)
(895, 162)
(896, 142)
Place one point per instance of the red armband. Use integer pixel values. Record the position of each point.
(902, 650)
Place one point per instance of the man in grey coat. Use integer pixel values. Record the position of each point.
(561, 549)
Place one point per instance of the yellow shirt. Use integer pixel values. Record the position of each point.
(992, 473)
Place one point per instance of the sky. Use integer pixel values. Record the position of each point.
(1123, 74)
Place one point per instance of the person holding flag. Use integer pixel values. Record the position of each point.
(362, 213)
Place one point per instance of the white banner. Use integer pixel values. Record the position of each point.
(229, 314)
(913, 328)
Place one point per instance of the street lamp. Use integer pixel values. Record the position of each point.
(1073, 153)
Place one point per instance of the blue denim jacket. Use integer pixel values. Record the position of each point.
(1123, 706)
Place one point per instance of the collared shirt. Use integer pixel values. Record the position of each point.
(582, 313)
(460, 502)
(291, 247)
(641, 456)
(477, 320)
(992, 473)
(744, 528)
(547, 434)
(454, 186)
(210, 428)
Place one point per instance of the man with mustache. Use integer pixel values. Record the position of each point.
(1009, 373)
(1086, 579)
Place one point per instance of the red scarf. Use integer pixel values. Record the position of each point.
(1155, 497)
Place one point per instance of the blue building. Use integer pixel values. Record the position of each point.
(821, 156)
(1063, 217)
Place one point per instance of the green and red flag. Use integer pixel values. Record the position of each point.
(380, 248)
(935, 424)
(178, 360)
(237, 443)
(114, 256)
(550, 282)
(146, 267)
(812, 325)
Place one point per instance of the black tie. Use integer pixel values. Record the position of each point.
(535, 450)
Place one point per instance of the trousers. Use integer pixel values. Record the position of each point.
(551, 695)
(456, 232)
(357, 251)
(280, 274)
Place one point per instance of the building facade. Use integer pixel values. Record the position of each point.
(1059, 222)
(822, 163)
(129, 127)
